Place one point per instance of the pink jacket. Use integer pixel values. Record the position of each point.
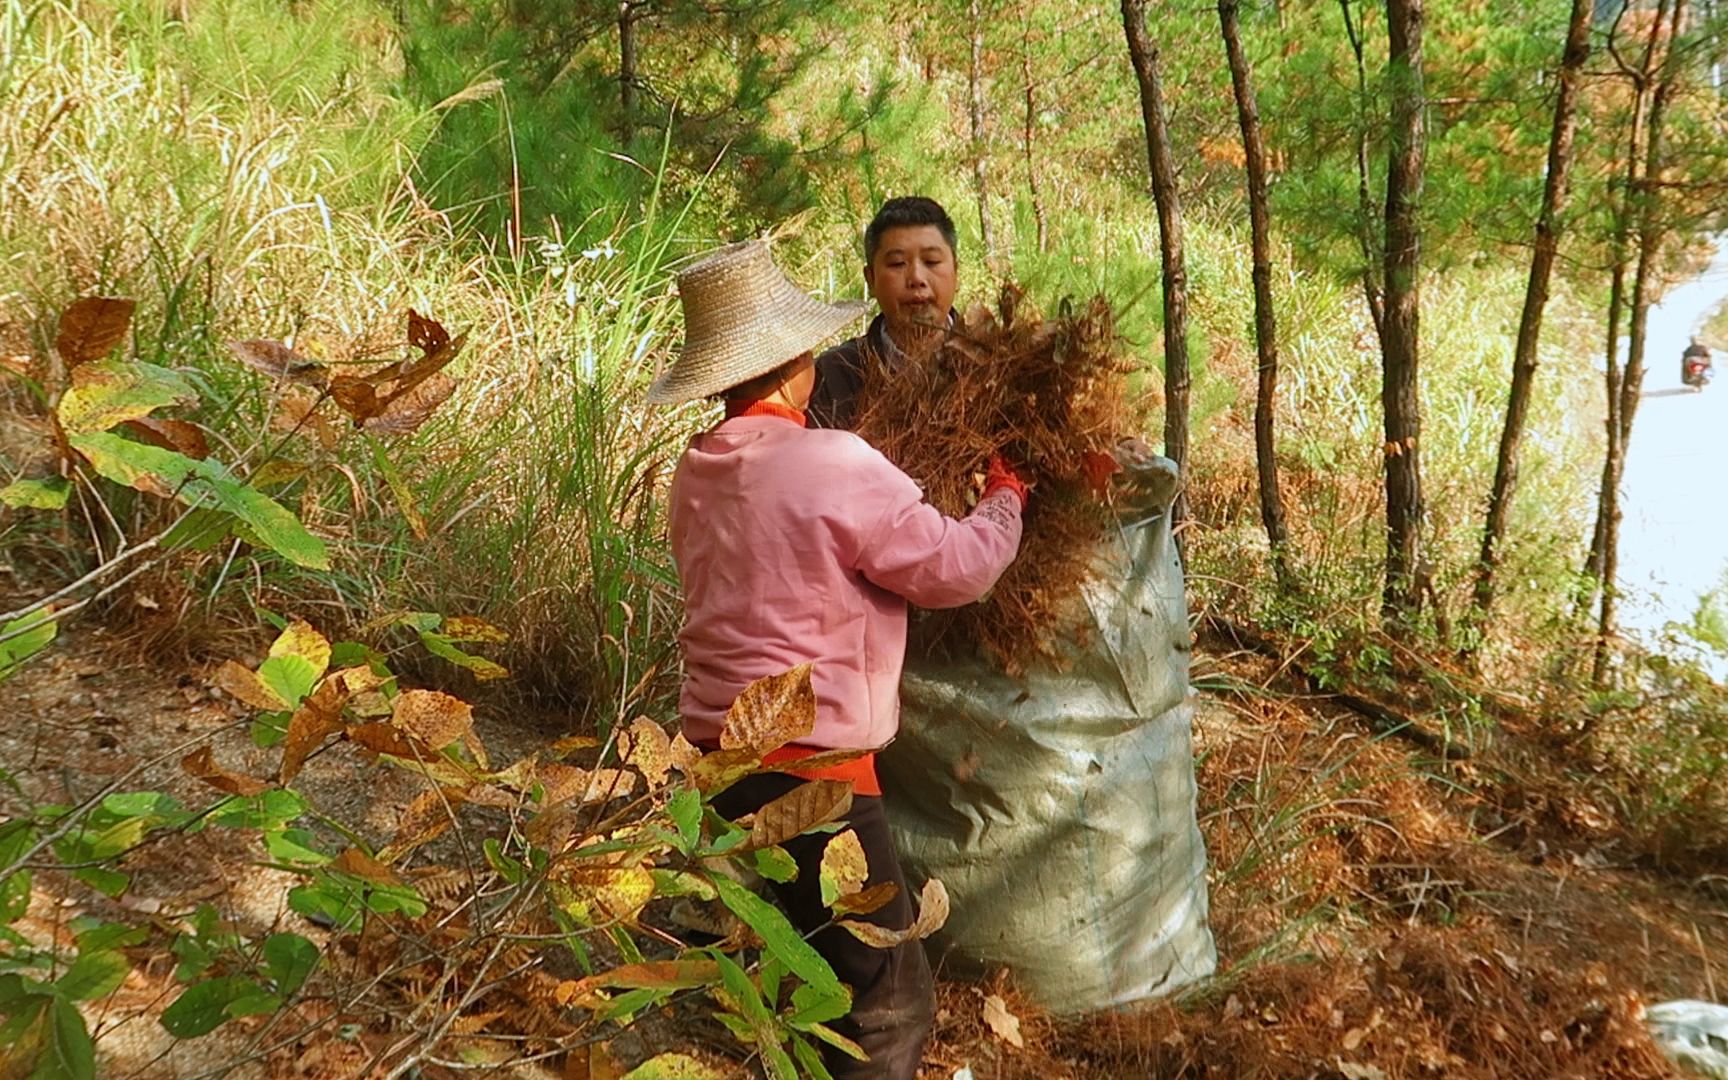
(798, 545)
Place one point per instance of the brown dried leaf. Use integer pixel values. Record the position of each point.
(278, 361)
(647, 747)
(1004, 1023)
(932, 916)
(771, 712)
(800, 810)
(243, 683)
(201, 765)
(356, 397)
(425, 819)
(875, 898)
(426, 334)
(381, 737)
(318, 717)
(844, 866)
(363, 866)
(560, 783)
(298, 413)
(683, 754)
(405, 410)
(181, 436)
(827, 759)
(91, 327)
(646, 975)
(434, 718)
(550, 830)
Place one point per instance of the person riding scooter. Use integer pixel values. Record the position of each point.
(1696, 367)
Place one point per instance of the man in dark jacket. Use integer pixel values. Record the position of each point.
(911, 270)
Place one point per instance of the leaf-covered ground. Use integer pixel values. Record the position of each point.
(1377, 914)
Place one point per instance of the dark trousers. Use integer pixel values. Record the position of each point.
(893, 994)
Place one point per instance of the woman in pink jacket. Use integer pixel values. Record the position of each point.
(797, 545)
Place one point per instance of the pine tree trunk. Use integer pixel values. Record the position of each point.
(1143, 52)
(1400, 338)
(1572, 59)
(1651, 230)
(1028, 128)
(980, 149)
(1265, 321)
(1365, 238)
(627, 64)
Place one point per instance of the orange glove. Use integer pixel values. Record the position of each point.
(1000, 475)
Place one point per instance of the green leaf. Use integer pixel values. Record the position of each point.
(626, 1005)
(266, 810)
(440, 646)
(68, 1053)
(810, 1059)
(289, 958)
(508, 868)
(291, 677)
(165, 809)
(260, 1003)
(775, 864)
(269, 728)
(15, 896)
(838, 1041)
(110, 883)
(153, 469)
(811, 1005)
(673, 1067)
(294, 846)
(38, 630)
(93, 975)
(107, 394)
(781, 938)
(670, 883)
(100, 935)
(203, 1006)
(685, 810)
(49, 494)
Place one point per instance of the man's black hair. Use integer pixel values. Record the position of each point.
(908, 210)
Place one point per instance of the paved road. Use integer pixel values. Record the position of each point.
(1674, 539)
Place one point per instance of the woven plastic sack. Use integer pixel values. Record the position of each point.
(1058, 807)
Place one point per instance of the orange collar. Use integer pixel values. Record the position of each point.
(764, 408)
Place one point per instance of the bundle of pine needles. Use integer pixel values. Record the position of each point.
(1052, 397)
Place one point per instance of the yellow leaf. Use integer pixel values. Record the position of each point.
(844, 867)
(646, 747)
(771, 712)
(467, 628)
(308, 644)
(602, 894)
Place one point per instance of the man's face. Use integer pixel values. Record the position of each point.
(912, 276)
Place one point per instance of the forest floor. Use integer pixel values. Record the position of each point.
(1379, 913)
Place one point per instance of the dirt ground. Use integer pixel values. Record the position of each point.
(1378, 914)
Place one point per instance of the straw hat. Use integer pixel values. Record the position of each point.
(743, 318)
